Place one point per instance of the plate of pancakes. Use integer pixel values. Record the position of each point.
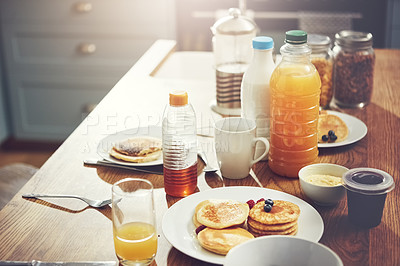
(141, 146)
(228, 220)
(348, 129)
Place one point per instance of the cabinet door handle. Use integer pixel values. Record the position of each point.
(83, 7)
(87, 109)
(87, 48)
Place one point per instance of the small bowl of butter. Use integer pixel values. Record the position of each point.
(322, 182)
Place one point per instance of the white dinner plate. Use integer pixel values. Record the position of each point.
(357, 130)
(179, 229)
(106, 144)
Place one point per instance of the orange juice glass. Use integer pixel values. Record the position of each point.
(135, 241)
(133, 217)
(295, 91)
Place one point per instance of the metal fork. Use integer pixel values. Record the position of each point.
(90, 202)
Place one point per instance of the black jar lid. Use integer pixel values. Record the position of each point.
(369, 181)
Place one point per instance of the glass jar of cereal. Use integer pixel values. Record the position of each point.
(353, 69)
(322, 59)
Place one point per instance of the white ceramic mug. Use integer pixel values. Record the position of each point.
(235, 141)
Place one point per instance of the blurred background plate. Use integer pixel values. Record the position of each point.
(357, 130)
(108, 142)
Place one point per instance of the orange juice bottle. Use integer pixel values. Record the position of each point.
(295, 90)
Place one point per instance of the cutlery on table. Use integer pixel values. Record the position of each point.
(90, 202)
(58, 263)
(155, 169)
(207, 168)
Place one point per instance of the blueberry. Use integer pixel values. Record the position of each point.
(325, 138)
(331, 133)
(333, 137)
(267, 208)
(269, 201)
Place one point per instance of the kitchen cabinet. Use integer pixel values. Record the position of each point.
(393, 24)
(60, 58)
(3, 123)
(275, 17)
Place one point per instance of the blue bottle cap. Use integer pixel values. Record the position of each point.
(263, 43)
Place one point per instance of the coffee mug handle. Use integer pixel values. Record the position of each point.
(266, 143)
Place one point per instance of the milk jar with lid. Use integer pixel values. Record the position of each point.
(353, 69)
(255, 95)
(322, 59)
(232, 49)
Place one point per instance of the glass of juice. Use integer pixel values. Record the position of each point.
(134, 223)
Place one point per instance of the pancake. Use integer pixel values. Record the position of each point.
(290, 231)
(282, 212)
(328, 122)
(264, 227)
(198, 207)
(220, 213)
(138, 149)
(220, 241)
(195, 222)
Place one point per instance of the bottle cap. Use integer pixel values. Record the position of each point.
(318, 39)
(296, 37)
(178, 98)
(354, 39)
(263, 43)
(318, 43)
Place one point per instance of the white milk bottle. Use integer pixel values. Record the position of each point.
(255, 93)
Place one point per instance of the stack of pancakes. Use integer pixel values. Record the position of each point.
(222, 219)
(138, 149)
(281, 220)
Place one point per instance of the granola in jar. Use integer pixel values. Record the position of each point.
(353, 69)
(321, 57)
(324, 68)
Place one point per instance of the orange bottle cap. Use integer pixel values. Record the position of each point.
(178, 98)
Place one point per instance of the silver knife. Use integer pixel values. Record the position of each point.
(144, 169)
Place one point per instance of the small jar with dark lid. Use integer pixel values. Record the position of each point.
(322, 59)
(367, 189)
(353, 69)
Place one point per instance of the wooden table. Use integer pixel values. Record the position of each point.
(70, 231)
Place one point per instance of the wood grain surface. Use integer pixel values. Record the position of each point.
(68, 230)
